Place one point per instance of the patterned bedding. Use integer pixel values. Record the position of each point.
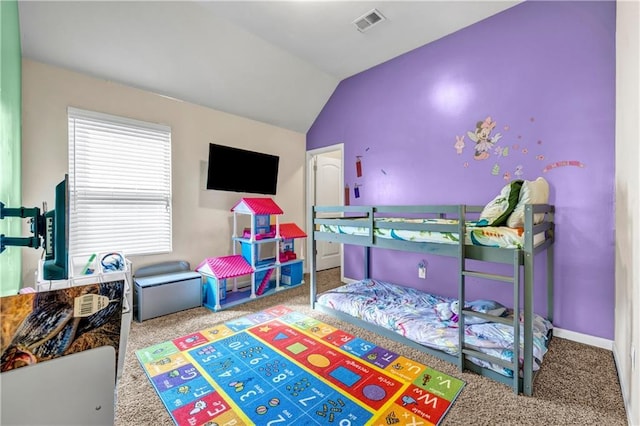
(490, 236)
(412, 313)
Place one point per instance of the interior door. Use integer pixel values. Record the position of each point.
(327, 193)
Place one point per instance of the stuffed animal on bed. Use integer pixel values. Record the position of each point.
(448, 311)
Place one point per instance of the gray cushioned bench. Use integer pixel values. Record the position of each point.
(165, 288)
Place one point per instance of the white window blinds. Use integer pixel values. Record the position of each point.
(119, 184)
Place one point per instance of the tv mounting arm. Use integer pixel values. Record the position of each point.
(37, 227)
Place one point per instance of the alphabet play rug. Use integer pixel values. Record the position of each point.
(281, 367)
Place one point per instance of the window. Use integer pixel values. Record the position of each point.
(119, 185)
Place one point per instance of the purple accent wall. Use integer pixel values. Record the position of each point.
(544, 72)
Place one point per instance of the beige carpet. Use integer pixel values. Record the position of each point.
(577, 384)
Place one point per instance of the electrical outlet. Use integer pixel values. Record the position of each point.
(422, 269)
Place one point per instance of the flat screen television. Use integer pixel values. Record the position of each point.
(240, 170)
(56, 235)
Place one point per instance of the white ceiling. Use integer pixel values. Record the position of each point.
(273, 61)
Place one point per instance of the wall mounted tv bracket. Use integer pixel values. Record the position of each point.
(37, 228)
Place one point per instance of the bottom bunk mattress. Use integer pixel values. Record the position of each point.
(423, 318)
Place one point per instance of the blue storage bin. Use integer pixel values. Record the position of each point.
(291, 274)
(158, 292)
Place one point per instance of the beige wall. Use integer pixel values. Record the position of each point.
(627, 311)
(202, 222)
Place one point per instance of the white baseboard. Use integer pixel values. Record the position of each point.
(598, 342)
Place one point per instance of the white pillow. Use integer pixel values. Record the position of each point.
(532, 192)
(498, 210)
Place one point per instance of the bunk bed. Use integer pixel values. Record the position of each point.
(388, 309)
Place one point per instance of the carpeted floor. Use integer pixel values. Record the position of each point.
(577, 385)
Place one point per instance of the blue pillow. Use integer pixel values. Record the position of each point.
(490, 307)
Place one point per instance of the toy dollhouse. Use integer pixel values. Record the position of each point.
(266, 254)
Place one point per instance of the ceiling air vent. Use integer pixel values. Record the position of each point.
(368, 20)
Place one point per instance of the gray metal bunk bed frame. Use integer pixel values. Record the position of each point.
(366, 216)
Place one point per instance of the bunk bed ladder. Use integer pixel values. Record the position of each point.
(461, 285)
(527, 321)
(514, 280)
(523, 311)
(515, 367)
(367, 248)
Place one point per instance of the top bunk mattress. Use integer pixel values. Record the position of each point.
(488, 236)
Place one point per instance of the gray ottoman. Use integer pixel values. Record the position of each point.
(165, 288)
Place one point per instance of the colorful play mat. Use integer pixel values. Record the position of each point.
(281, 367)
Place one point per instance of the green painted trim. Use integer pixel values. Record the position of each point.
(10, 141)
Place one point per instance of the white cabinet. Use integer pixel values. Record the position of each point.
(77, 278)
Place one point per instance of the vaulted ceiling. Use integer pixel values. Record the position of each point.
(273, 61)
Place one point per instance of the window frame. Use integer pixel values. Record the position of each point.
(140, 191)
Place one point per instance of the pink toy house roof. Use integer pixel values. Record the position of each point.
(257, 206)
(225, 266)
(291, 230)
